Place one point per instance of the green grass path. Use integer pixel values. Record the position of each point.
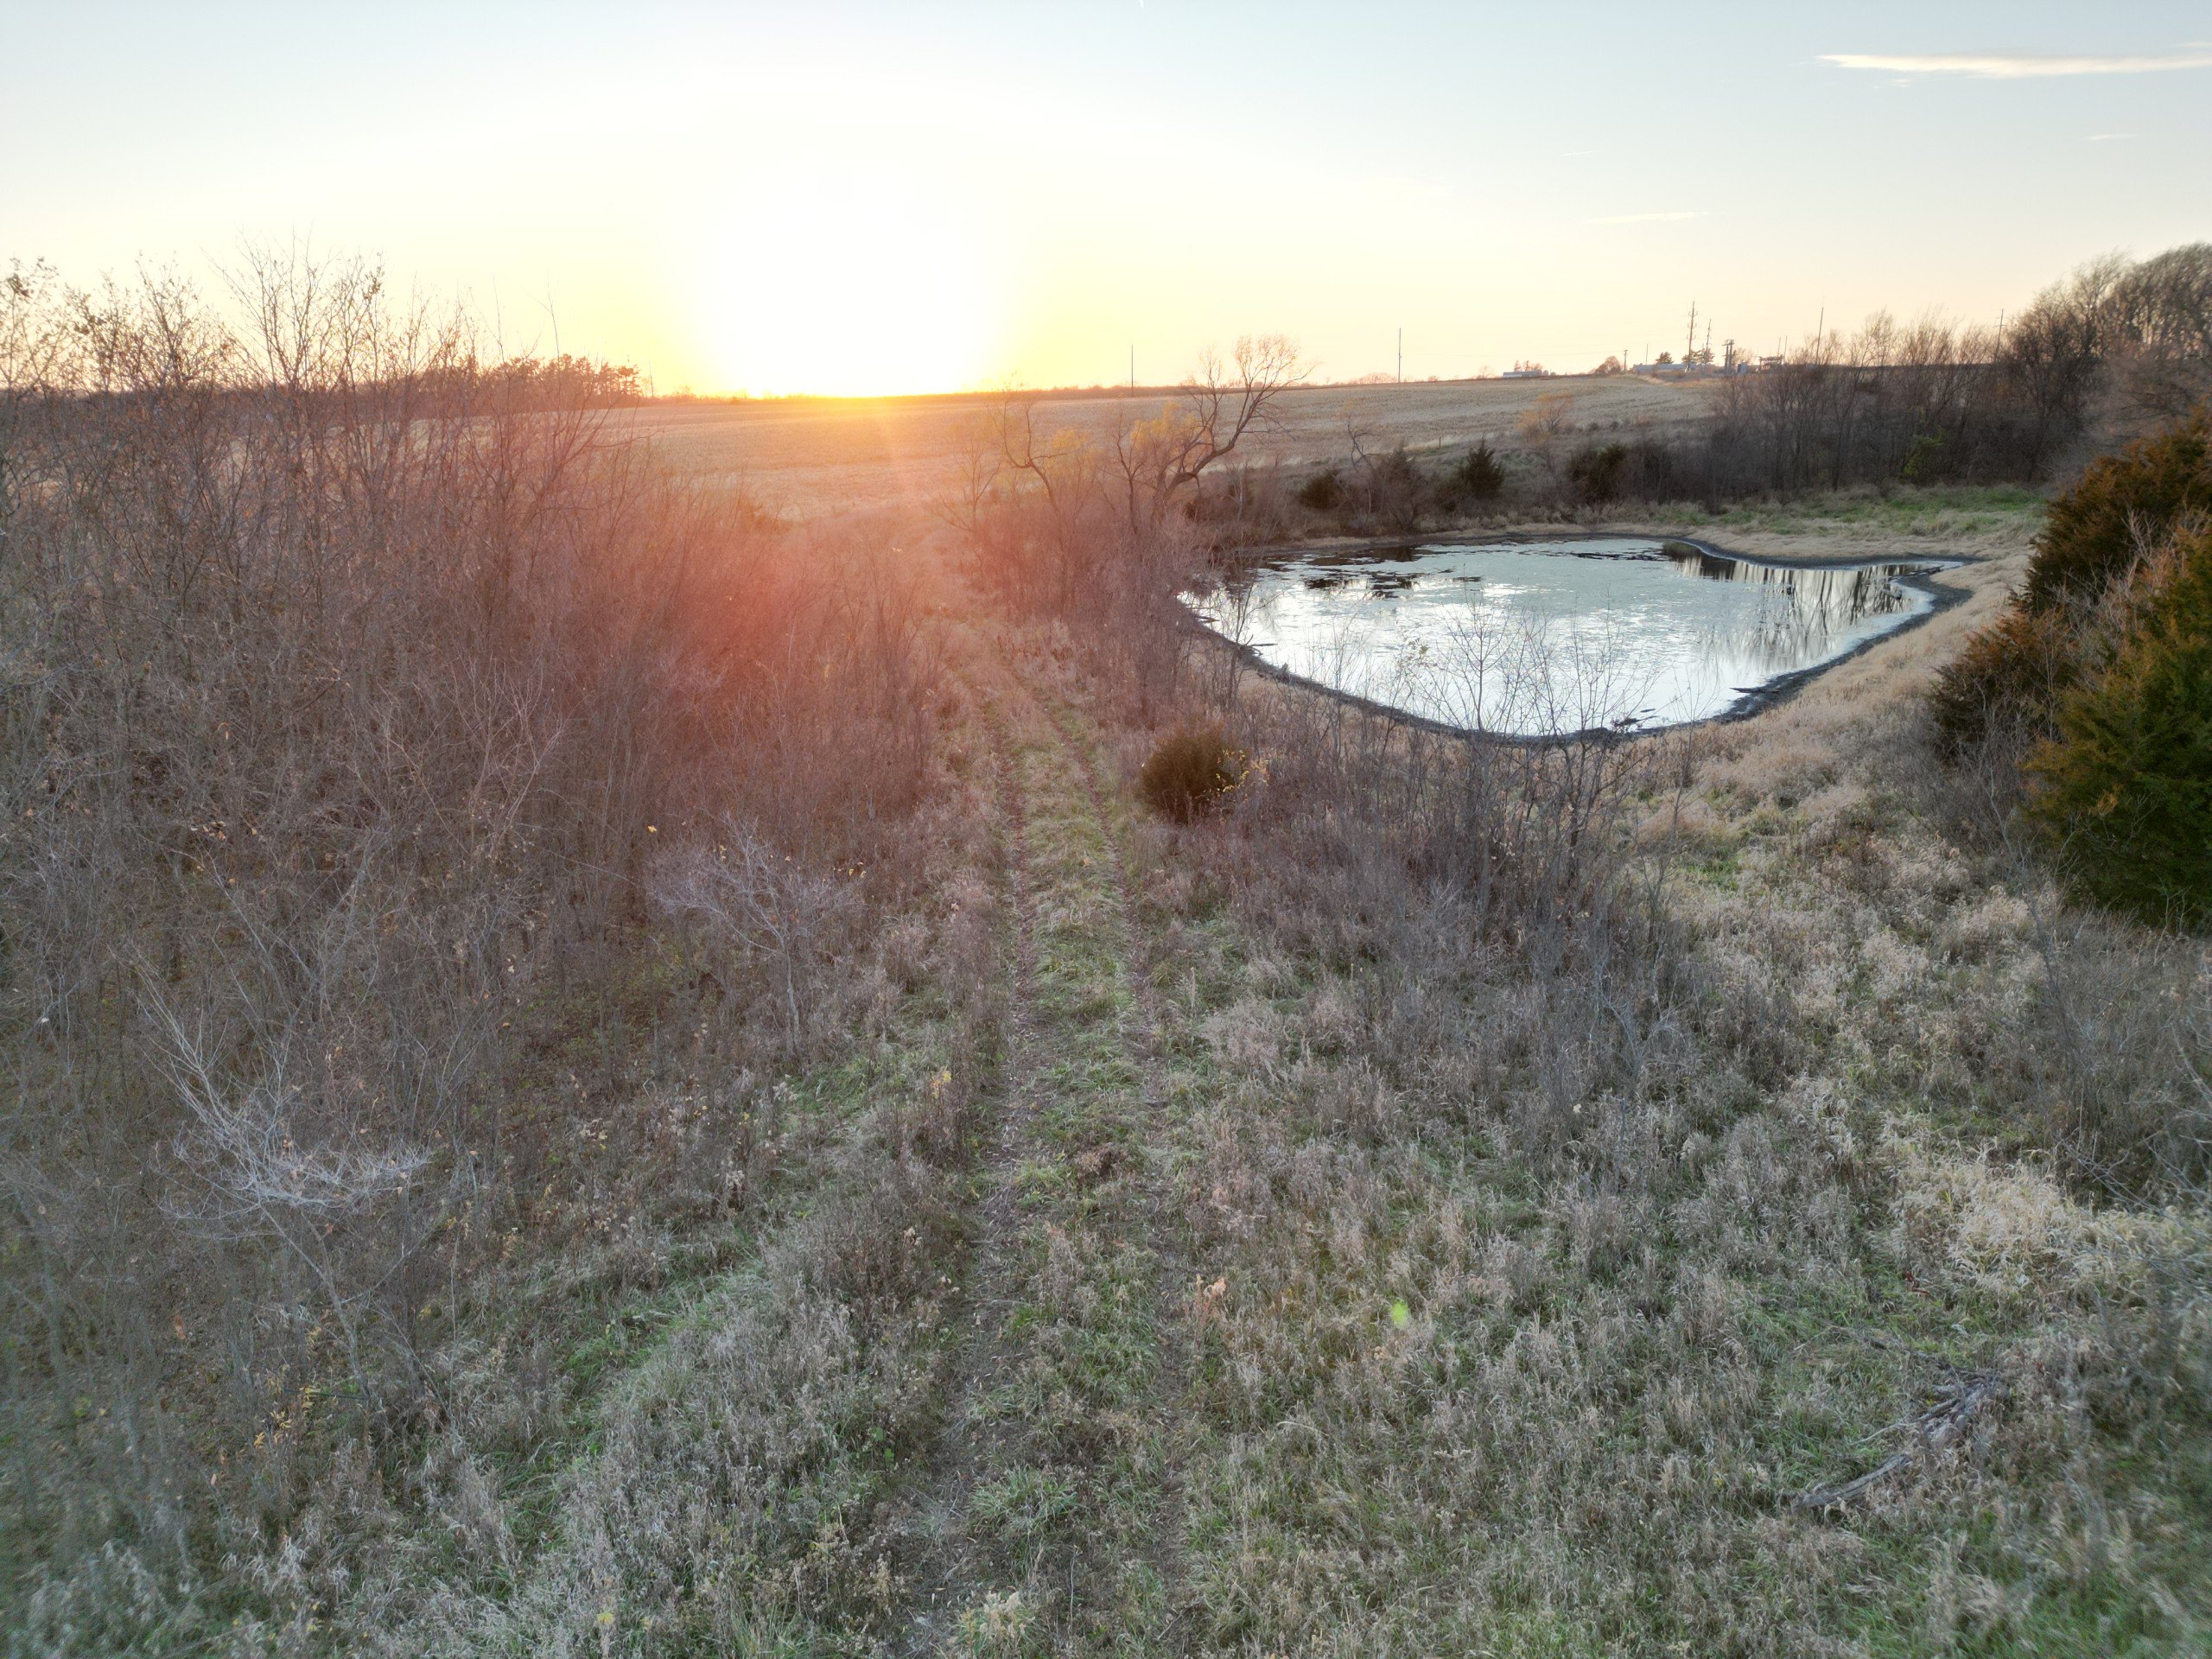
(1054, 1507)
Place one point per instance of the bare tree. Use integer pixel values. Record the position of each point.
(1544, 427)
(2163, 313)
(979, 480)
(2053, 352)
(1158, 459)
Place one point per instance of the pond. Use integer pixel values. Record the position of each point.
(1542, 638)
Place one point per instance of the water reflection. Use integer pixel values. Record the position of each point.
(1542, 638)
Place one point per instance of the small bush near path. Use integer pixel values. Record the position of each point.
(1190, 773)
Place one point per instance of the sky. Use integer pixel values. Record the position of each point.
(856, 199)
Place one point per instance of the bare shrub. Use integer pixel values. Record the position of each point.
(2113, 1057)
(1158, 459)
(1544, 429)
(1511, 862)
(756, 905)
(352, 675)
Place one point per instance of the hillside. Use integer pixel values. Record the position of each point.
(810, 455)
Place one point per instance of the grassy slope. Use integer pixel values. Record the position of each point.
(1462, 1401)
(1231, 1310)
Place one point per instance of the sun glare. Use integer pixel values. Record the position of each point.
(848, 288)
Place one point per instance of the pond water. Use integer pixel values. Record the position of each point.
(1542, 638)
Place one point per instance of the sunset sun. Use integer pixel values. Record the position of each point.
(844, 287)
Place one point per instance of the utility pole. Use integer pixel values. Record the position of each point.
(1689, 345)
(1402, 354)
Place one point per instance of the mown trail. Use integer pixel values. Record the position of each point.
(1052, 1507)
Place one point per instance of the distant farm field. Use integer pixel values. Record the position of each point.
(808, 455)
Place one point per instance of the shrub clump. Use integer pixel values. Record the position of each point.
(2124, 787)
(1479, 477)
(1323, 492)
(1597, 470)
(1190, 773)
(2011, 674)
(2121, 504)
(2007, 679)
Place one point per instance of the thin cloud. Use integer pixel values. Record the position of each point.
(2107, 138)
(1640, 219)
(2018, 66)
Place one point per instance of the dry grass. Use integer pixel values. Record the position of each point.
(1540, 1303)
(1451, 1201)
(363, 1112)
(813, 456)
